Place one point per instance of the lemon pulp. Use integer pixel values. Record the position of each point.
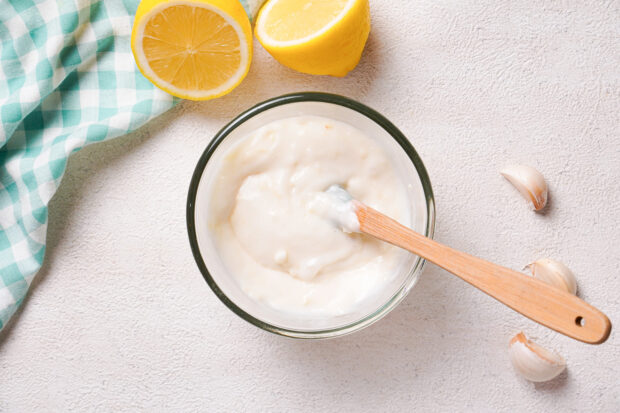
(288, 21)
(192, 49)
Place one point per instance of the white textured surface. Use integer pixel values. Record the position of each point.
(121, 320)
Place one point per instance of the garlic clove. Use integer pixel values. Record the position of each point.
(554, 273)
(530, 183)
(534, 362)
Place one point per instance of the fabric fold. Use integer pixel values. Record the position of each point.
(67, 79)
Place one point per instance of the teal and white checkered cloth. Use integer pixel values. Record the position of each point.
(67, 79)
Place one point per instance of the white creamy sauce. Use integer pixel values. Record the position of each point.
(282, 236)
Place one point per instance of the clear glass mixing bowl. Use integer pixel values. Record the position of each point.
(407, 163)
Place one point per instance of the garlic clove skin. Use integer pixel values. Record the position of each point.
(535, 363)
(529, 182)
(554, 273)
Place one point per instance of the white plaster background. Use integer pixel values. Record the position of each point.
(120, 319)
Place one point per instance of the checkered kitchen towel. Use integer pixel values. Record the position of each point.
(67, 79)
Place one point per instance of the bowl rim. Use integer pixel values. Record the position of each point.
(370, 113)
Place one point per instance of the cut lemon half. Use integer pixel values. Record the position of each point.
(321, 37)
(193, 49)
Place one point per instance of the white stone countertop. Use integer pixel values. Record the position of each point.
(120, 318)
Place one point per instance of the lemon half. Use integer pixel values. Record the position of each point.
(193, 49)
(321, 37)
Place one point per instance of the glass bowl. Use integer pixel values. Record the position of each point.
(407, 163)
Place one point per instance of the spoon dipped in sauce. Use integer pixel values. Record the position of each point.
(542, 303)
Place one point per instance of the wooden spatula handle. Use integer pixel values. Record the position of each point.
(547, 305)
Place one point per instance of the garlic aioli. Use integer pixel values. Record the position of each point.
(268, 219)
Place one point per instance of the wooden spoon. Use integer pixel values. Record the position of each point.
(547, 305)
